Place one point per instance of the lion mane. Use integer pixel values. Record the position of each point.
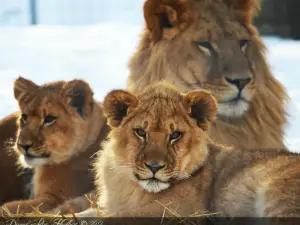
(184, 42)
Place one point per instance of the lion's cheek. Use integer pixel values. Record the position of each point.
(54, 142)
(58, 145)
(128, 152)
(249, 93)
(184, 167)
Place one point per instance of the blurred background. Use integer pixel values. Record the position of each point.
(280, 17)
(48, 40)
(68, 12)
(277, 17)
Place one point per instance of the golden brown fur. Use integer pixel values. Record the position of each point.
(60, 128)
(168, 50)
(157, 129)
(171, 50)
(196, 174)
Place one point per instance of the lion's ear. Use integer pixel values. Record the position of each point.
(116, 105)
(201, 106)
(245, 9)
(165, 19)
(22, 87)
(79, 95)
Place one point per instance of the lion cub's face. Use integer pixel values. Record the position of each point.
(158, 136)
(52, 125)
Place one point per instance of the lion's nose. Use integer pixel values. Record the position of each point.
(154, 167)
(240, 83)
(26, 147)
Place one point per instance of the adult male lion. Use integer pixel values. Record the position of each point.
(212, 44)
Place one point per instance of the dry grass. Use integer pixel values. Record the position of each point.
(167, 210)
(35, 213)
(185, 219)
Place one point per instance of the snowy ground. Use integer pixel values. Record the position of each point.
(99, 54)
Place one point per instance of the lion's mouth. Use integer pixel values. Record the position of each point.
(151, 179)
(235, 100)
(153, 185)
(233, 108)
(30, 156)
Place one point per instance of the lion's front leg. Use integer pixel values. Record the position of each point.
(77, 204)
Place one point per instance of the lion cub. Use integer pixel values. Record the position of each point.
(158, 153)
(159, 160)
(60, 127)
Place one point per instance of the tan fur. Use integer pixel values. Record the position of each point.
(202, 175)
(61, 150)
(77, 204)
(223, 23)
(258, 183)
(120, 168)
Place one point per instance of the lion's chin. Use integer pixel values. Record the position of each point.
(153, 186)
(32, 162)
(233, 109)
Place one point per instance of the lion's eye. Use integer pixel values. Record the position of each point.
(49, 120)
(141, 133)
(205, 44)
(175, 136)
(24, 118)
(244, 44)
(206, 47)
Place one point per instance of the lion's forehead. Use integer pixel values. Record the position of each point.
(210, 25)
(39, 105)
(214, 33)
(159, 105)
(213, 19)
(159, 119)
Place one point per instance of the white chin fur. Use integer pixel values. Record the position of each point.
(32, 162)
(233, 109)
(153, 186)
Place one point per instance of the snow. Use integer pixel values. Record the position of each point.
(70, 12)
(14, 12)
(98, 54)
(284, 59)
(99, 49)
